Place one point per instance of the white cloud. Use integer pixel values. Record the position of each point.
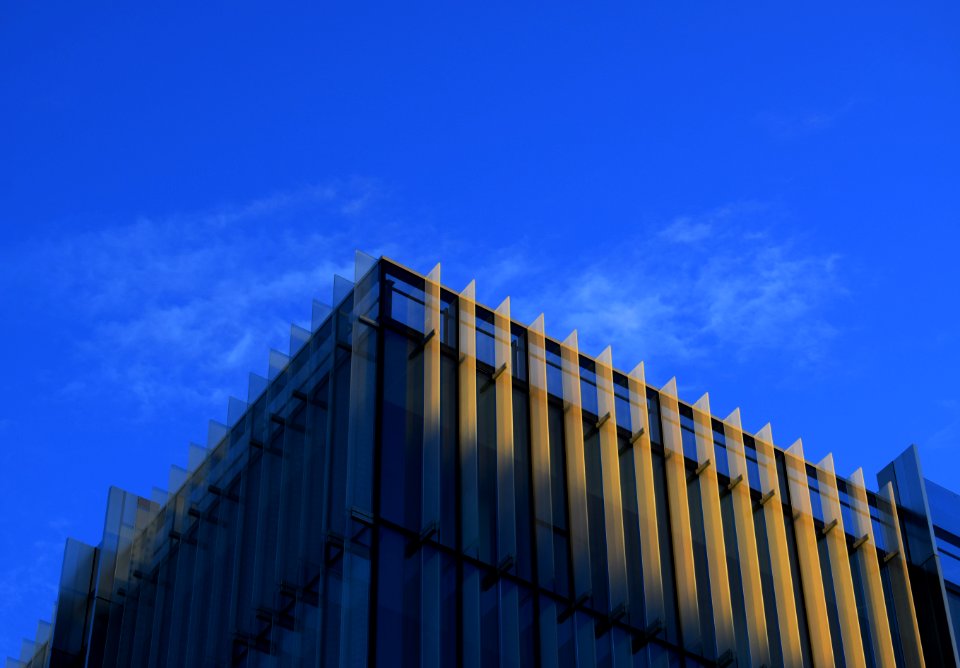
(709, 285)
(173, 309)
(177, 309)
(946, 438)
(797, 124)
(35, 578)
(687, 230)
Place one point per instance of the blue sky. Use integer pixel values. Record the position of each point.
(761, 200)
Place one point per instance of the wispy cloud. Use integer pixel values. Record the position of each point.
(176, 309)
(794, 125)
(173, 308)
(714, 284)
(34, 578)
(946, 437)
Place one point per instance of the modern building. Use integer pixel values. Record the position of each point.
(425, 482)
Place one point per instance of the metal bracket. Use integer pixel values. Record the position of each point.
(213, 489)
(426, 534)
(736, 481)
(607, 622)
(368, 321)
(502, 569)
(423, 344)
(574, 606)
(300, 395)
(641, 639)
(362, 516)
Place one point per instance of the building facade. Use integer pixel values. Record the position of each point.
(425, 482)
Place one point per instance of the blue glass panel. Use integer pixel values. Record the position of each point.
(554, 372)
(588, 388)
(720, 452)
(486, 341)
(687, 433)
(753, 465)
(406, 302)
(518, 352)
(653, 410)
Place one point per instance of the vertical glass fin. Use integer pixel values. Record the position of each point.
(362, 264)
(610, 475)
(235, 410)
(341, 289)
(896, 565)
(542, 493)
(195, 456)
(573, 445)
(430, 475)
(713, 528)
(680, 528)
(469, 472)
(506, 486)
(618, 588)
(868, 565)
(654, 609)
(776, 535)
(256, 386)
(747, 552)
(319, 313)
(811, 576)
(361, 331)
(841, 575)
(276, 363)
(298, 338)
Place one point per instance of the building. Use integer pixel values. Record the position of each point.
(425, 482)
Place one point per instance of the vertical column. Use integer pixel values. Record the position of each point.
(430, 504)
(361, 433)
(542, 493)
(70, 616)
(920, 550)
(654, 611)
(110, 578)
(811, 576)
(842, 577)
(612, 498)
(680, 532)
(135, 617)
(868, 565)
(776, 533)
(577, 492)
(747, 540)
(469, 473)
(506, 488)
(610, 471)
(896, 564)
(322, 570)
(713, 526)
